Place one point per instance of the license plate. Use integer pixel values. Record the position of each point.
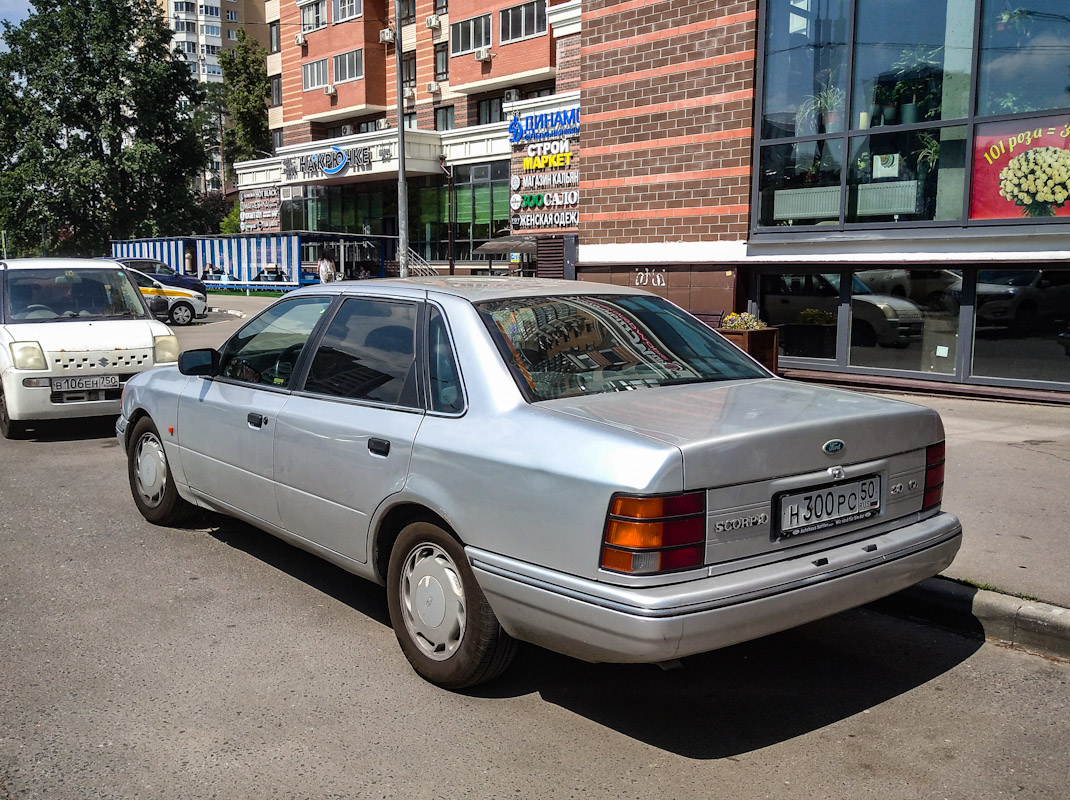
(85, 383)
(806, 512)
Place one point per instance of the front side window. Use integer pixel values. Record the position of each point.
(568, 346)
(313, 15)
(521, 22)
(314, 74)
(469, 34)
(346, 9)
(266, 350)
(368, 353)
(349, 66)
(50, 295)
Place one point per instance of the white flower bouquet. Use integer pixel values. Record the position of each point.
(1038, 180)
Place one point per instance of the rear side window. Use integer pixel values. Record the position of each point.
(266, 350)
(445, 381)
(368, 353)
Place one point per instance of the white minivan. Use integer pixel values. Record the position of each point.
(72, 331)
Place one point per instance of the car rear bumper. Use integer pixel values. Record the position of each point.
(599, 622)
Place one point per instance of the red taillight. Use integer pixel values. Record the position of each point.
(645, 535)
(934, 476)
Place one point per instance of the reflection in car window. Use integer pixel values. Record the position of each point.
(266, 350)
(568, 346)
(368, 353)
(445, 387)
(34, 295)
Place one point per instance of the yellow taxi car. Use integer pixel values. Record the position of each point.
(183, 305)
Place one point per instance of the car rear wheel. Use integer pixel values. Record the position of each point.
(182, 314)
(9, 428)
(151, 482)
(441, 618)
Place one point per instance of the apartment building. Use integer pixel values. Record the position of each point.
(203, 29)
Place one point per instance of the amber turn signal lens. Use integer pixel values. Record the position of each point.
(676, 505)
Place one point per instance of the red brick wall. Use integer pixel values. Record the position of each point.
(667, 94)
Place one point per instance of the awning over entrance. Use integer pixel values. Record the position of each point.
(508, 244)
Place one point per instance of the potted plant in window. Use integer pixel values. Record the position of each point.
(821, 112)
(752, 336)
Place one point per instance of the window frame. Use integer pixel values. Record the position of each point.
(450, 113)
(274, 91)
(320, 20)
(519, 10)
(337, 14)
(442, 75)
(305, 85)
(456, 38)
(359, 52)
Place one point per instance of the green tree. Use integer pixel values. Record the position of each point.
(247, 89)
(99, 143)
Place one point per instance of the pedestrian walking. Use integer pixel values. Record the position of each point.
(326, 267)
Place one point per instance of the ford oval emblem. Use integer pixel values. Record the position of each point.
(834, 446)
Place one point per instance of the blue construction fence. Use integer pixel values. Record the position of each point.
(284, 260)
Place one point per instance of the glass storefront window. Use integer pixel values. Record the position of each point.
(804, 306)
(1023, 56)
(805, 67)
(800, 183)
(907, 176)
(922, 74)
(1022, 324)
(904, 319)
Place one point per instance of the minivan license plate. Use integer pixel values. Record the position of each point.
(829, 506)
(85, 383)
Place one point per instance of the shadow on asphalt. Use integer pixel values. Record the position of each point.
(72, 430)
(715, 705)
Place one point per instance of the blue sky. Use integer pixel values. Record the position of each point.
(14, 11)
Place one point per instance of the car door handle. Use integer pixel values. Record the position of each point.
(256, 420)
(379, 447)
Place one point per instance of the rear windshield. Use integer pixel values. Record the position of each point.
(567, 346)
(48, 295)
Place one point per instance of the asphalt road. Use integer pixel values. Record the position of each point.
(214, 661)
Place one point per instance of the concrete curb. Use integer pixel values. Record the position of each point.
(232, 311)
(1024, 624)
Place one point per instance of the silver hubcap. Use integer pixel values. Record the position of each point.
(150, 470)
(432, 601)
(182, 315)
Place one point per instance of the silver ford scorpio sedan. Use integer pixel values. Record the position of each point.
(580, 466)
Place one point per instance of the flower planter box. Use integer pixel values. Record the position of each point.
(761, 344)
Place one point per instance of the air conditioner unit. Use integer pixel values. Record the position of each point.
(382, 124)
(433, 87)
(511, 95)
(410, 94)
(347, 130)
(386, 36)
(300, 40)
(329, 90)
(433, 21)
(482, 54)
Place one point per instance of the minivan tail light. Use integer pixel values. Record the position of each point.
(646, 535)
(934, 476)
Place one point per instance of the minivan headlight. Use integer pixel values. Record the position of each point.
(165, 348)
(28, 355)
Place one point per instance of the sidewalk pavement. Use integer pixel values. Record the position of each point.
(1008, 480)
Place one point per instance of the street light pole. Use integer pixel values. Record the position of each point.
(403, 189)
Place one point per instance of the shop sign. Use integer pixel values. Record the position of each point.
(328, 162)
(259, 208)
(1021, 169)
(546, 180)
(550, 200)
(547, 125)
(548, 154)
(561, 219)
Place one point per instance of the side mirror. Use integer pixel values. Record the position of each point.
(204, 362)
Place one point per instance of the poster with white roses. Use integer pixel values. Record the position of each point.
(1021, 169)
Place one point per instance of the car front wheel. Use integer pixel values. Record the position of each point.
(441, 618)
(151, 482)
(182, 314)
(9, 428)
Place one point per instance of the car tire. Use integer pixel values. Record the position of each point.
(151, 482)
(441, 618)
(863, 335)
(182, 314)
(9, 428)
(1026, 318)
